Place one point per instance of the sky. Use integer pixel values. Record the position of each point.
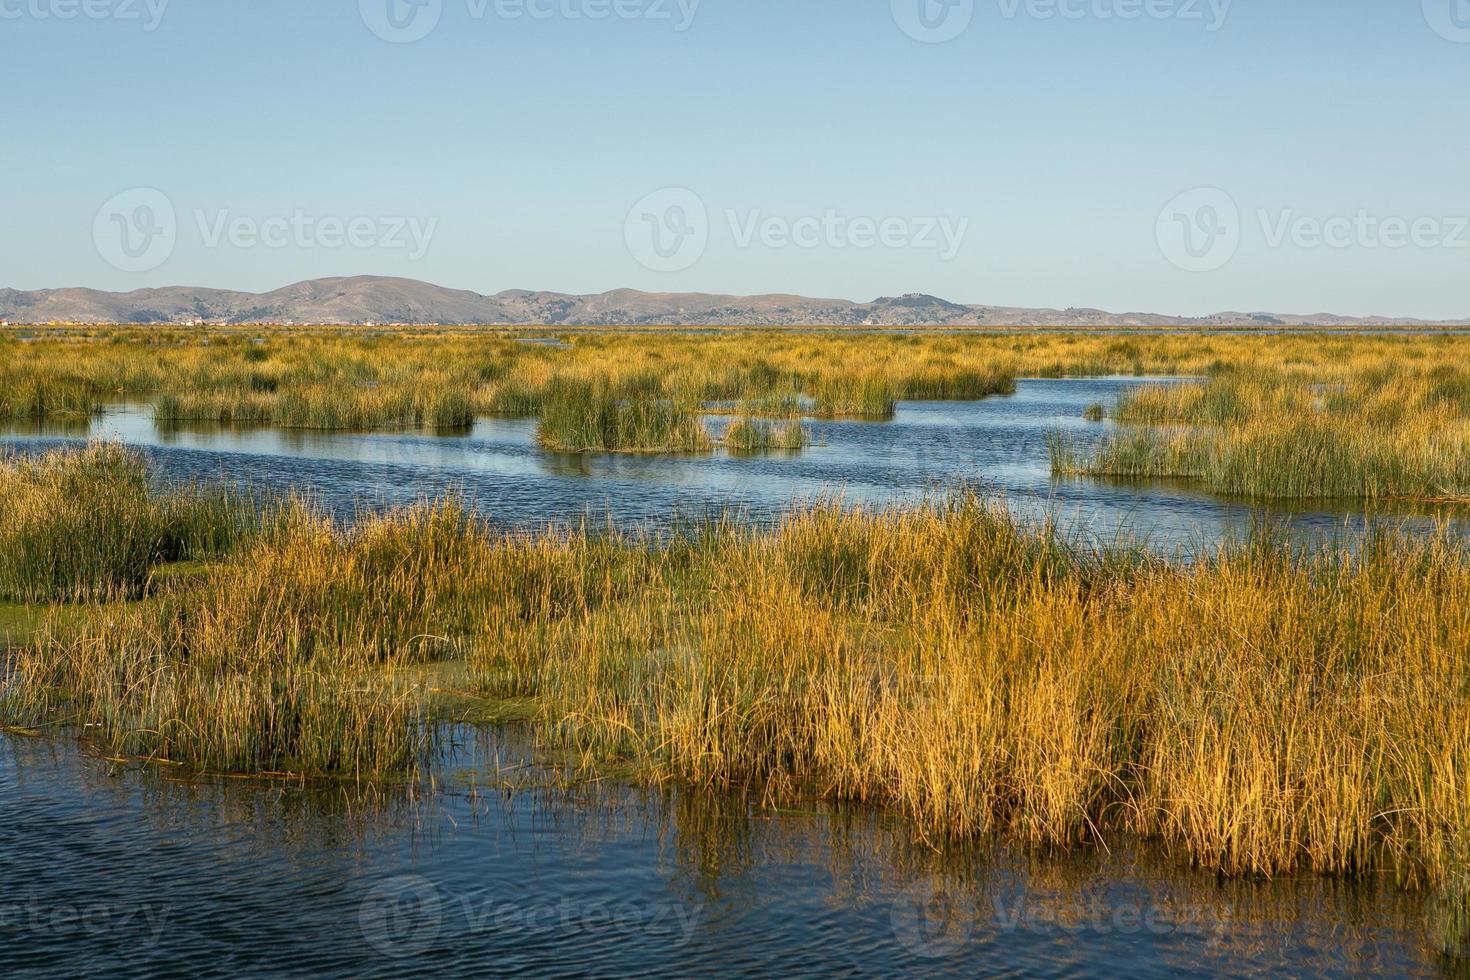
(1173, 156)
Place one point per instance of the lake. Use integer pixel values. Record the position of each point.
(997, 446)
(113, 868)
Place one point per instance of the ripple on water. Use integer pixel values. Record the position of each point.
(111, 869)
(996, 445)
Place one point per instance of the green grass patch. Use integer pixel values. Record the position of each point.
(750, 434)
(598, 415)
(85, 525)
(18, 623)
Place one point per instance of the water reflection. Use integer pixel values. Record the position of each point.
(110, 868)
(997, 445)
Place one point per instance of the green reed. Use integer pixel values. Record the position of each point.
(88, 525)
(598, 414)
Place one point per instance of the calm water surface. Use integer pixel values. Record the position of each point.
(108, 869)
(112, 869)
(997, 445)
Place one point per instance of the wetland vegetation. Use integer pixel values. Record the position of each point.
(1265, 709)
(1368, 429)
(1296, 416)
(980, 676)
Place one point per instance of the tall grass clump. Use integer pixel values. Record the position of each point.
(327, 407)
(597, 415)
(296, 654)
(155, 681)
(285, 659)
(863, 396)
(222, 408)
(87, 524)
(946, 381)
(980, 676)
(38, 396)
(1376, 432)
(751, 434)
(985, 679)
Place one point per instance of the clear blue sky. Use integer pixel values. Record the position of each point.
(528, 140)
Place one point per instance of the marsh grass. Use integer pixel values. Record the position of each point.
(299, 654)
(943, 379)
(135, 680)
(599, 415)
(862, 396)
(87, 525)
(247, 371)
(752, 434)
(1380, 432)
(46, 395)
(17, 623)
(328, 407)
(1266, 710)
(334, 380)
(987, 679)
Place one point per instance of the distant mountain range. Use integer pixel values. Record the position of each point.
(376, 300)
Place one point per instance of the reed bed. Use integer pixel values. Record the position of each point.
(1378, 432)
(1261, 711)
(631, 417)
(46, 395)
(292, 655)
(441, 380)
(78, 526)
(863, 396)
(337, 380)
(986, 679)
(330, 407)
(752, 434)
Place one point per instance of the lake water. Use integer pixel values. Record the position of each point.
(997, 446)
(109, 868)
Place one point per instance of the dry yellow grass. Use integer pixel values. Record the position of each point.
(1259, 712)
(443, 379)
(1373, 430)
(334, 381)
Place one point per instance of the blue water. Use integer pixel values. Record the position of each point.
(108, 869)
(113, 869)
(997, 446)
